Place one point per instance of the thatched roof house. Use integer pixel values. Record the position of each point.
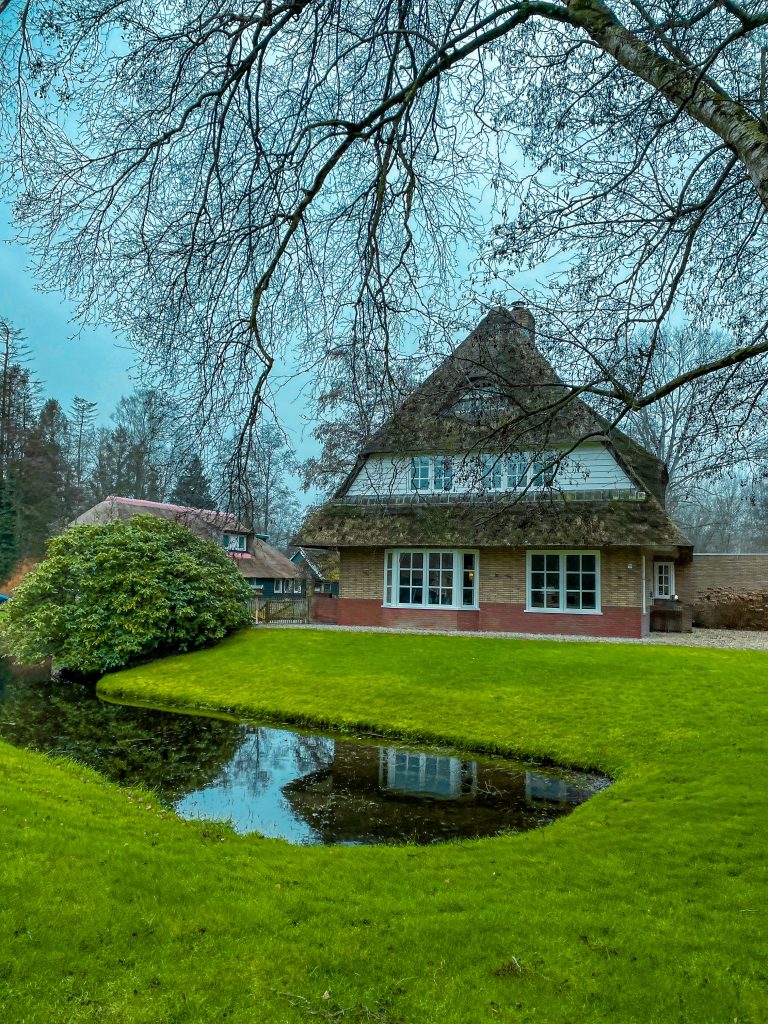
(494, 499)
(263, 566)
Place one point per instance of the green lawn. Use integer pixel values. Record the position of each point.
(647, 904)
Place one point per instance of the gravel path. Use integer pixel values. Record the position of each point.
(735, 639)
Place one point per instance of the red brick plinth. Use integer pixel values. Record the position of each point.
(505, 618)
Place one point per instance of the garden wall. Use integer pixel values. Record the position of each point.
(728, 590)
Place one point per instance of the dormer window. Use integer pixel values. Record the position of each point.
(482, 403)
(420, 473)
(517, 470)
(493, 472)
(542, 473)
(431, 473)
(233, 541)
(442, 473)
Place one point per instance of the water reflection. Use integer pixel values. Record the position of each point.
(174, 754)
(285, 784)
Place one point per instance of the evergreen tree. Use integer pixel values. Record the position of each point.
(82, 416)
(9, 544)
(112, 471)
(38, 481)
(193, 488)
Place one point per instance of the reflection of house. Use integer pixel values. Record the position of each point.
(265, 568)
(555, 789)
(426, 774)
(378, 794)
(495, 500)
(320, 567)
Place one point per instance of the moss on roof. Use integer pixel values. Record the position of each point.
(551, 521)
(519, 401)
(538, 410)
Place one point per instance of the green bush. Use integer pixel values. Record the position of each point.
(108, 596)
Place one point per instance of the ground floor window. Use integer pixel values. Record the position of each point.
(430, 579)
(563, 581)
(664, 579)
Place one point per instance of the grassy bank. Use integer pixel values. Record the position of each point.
(648, 904)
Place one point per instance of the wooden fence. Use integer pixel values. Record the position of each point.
(284, 609)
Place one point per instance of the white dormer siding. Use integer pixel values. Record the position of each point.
(590, 467)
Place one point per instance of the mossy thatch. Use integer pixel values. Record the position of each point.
(546, 522)
(536, 411)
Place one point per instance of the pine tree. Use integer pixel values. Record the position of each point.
(193, 488)
(38, 481)
(82, 416)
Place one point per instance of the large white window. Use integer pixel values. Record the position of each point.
(430, 579)
(563, 581)
(664, 579)
(429, 774)
(421, 473)
(434, 474)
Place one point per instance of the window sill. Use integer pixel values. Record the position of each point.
(432, 607)
(562, 611)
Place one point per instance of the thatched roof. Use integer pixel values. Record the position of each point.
(259, 562)
(533, 411)
(265, 562)
(499, 359)
(203, 521)
(322, 562)
(550, 521)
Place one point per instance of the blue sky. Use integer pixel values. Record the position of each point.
(69, 361)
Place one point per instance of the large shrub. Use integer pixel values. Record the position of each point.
(106, 596)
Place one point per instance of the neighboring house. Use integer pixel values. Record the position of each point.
(490, 502)
(267, 570)
(319, 566)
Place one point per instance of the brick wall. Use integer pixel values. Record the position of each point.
(741, 573)
(325, 609)
(506, 618)
(362, 573)
(727, 590)
(502, 597)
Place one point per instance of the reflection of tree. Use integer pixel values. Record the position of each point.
(270, 752)
(175, 754)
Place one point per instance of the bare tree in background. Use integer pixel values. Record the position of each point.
(359, 390)
(235, 185)
(705, 431)
(276, 510)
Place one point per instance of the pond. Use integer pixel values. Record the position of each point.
(285, 783)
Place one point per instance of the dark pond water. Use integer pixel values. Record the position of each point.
(288, 784)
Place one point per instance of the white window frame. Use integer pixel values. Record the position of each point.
(461, 776)
(419, 462)
(494, 472)
(516, 481)
(439, 468)
(277, 586)
(392, 563)
(670, 566)
(562, 609)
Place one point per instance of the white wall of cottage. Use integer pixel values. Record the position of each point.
(590, 467)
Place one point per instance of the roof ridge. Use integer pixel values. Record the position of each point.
(170, 505)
